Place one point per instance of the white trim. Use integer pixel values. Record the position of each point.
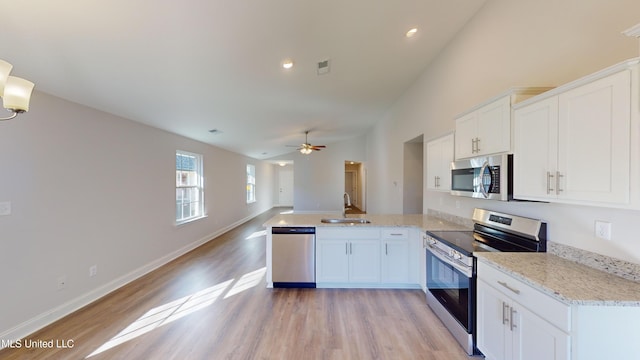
(46, 318)
(633, 31)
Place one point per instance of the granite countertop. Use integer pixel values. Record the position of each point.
(565, 280)
(424, 222)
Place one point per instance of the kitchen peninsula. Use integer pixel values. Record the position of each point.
(387, 252)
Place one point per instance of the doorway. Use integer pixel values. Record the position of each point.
(413, 176)
(285, 184)
(354, 187)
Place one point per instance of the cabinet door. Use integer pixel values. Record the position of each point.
(492, 316)
(434, 154)
(535, 150)
(534, 338)
(332, 261)
(466, 132)
(364, 261)
(395, 261)
(439, 158)
(494, 127)
(446, 158)
(594, 140)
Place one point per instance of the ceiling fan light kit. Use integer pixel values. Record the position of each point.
(14, 91)
(307, 148)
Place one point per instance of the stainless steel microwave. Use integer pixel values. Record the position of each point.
(488, 177)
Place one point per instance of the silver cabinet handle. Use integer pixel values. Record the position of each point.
(477, 145)
(558, 176)
(512, 324)
(473, 146)
(516, 291)
(505, 308)
(437, 181)
(386, 249)
(351, 248)
(549, 177)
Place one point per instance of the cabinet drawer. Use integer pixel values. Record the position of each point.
(552, 310)
(347, 233)
(395, 233)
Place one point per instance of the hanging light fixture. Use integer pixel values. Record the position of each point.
(14, 91)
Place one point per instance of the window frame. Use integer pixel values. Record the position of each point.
(198, 186)
(251, 184)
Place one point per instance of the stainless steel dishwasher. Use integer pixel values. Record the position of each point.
(293, 257)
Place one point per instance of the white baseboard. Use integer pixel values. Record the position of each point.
(46, 318)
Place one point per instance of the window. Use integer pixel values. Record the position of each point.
(189, 187)
(251, 183)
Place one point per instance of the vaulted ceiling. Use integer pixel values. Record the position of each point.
(192, 66)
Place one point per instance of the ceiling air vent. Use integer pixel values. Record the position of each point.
(323, 67)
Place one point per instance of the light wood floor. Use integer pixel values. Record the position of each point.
(206, 305)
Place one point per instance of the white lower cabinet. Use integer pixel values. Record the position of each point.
(395, 256)
(518, 321)
(367, 257)
(509, 329)
(364, 261)
(332, 261)
(347, 261)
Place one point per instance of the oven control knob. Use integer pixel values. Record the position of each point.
(456, 255)
(432, 241)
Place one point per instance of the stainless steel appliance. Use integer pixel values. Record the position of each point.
(293, 257)
(489, 177)
(451, 266)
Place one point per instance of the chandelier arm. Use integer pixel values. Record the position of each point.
(15, 113)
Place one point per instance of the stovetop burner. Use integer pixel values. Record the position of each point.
(462, 241)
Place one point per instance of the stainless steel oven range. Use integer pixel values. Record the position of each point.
(451, 266)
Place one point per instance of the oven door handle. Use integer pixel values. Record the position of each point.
(442, 257)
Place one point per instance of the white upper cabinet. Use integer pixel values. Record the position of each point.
(439, 158)
(486, 129)
(575, 145)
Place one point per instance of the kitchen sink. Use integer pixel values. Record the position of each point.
(345, 221)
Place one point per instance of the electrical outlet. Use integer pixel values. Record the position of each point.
(603, 230)
(62, 282)
(93, 270)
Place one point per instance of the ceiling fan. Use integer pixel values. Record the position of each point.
(307, 148)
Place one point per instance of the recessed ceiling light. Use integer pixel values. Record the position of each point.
(287, 64)
(411, 33)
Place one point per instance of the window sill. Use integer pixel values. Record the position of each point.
(189, 220)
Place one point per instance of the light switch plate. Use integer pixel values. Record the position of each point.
(5, 208)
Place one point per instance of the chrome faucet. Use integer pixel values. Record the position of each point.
(348, 203)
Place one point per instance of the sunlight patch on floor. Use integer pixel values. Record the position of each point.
(174, 310)
(247, 281)
(165, 314)
(257, 234)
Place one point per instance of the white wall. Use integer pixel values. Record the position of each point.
(88, 188)
(510, 43)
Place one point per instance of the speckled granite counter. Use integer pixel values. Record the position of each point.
(420, 221)
(566, 280)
